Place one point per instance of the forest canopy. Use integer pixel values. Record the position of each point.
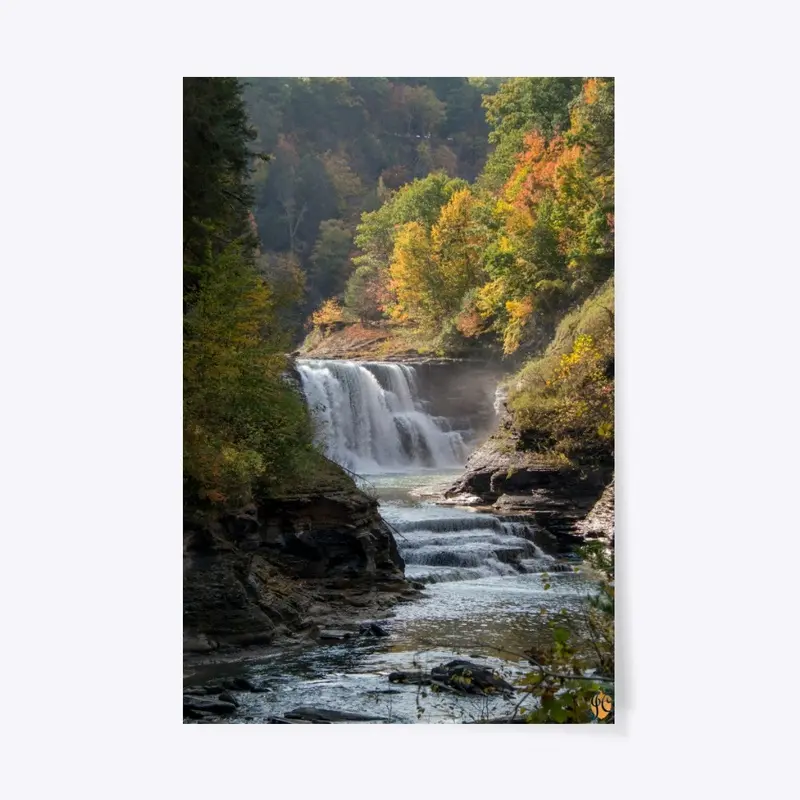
(467, 250)
(246, 431)
(474, 213)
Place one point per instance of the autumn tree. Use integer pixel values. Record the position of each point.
(458, 240)
(245, 431)
(519, 106)
(420, 201)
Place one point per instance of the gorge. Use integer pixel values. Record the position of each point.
(369, 509)
(442, 579)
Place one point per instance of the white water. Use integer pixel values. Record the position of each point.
(370, 417)
(441, 545)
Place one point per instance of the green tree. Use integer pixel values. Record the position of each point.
(216, 167)
(519, 106)
(246, 433)
(330, 261)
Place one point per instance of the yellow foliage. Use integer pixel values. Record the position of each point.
(520, 309)
(490, 297)
(329, 313)
(410, 273)
(519, 312)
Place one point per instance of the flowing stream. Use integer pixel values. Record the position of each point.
(482, 574)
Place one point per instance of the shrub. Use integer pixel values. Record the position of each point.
(563, 401)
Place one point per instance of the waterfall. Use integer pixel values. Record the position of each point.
(370, 417)
(441, 545)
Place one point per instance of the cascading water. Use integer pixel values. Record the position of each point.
(441, 544)
(370, 417)
(483, 597)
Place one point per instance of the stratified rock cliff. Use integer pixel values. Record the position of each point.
(514, 481)
(290, 564)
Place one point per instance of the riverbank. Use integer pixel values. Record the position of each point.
(288, 567)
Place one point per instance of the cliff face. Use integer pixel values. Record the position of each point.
(288, 565)
(514, 481)
(599, 523)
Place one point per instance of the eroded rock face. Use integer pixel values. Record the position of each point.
(599, 522)
(516, 482)
(287, 565)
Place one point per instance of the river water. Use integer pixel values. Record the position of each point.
(484, 588)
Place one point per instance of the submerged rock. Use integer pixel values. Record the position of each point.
(311, 714)
(202, 704)
(215, 687)
(199, 644)
(337, 636)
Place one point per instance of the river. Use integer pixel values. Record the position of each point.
(484, 592)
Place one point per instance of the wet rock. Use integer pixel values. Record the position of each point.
(357, 602)
(199, 644)
(422, 678)
(244, 685)
(227, 697)
(334, 635)
(251, 639)
(372, 629)
(312, 714)
(215, 687)
(194, 713)
(195, 704)
(460, 677)
(471, 677)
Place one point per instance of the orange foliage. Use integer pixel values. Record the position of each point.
(329, 313)
(591, 91)
(470, 323)
(535, 172)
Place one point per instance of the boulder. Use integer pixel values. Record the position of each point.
(460, 677)
(227, 697)
(470, 677)
(422, 678)
(372, 629)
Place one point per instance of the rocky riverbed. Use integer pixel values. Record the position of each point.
(481, 599)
